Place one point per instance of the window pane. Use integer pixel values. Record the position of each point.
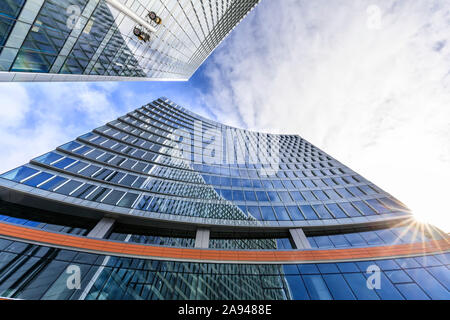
(48, 158)
(267, 214)
(338, 287)
(316, 287)
(359, 286)
(309, 213)
(19, 174)
(38, 179)
(297, 288)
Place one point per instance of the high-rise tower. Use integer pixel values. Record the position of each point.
(164, 204)
(97, 40)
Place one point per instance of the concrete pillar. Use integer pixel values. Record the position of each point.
(102, 229)
(202, 238)
(299, 239)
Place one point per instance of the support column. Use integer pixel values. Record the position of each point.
(299, 238)
(202, 238)
(102, 229)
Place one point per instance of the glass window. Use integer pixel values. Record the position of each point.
(359, 286)
(70, 146)
(254, 211)
(54, 183)
(250, 196)
(225, 182)
(227, 194)
(285, 197)
(333, 194)
(322, 211)
(374, 203)
(320, 195)
(327, 268)
(388, 265)
(296, 195)
(356, 191)
(282, 213)
(344, 193)
(48, 158)
(128, 200)
(338, 287)
(309, 213)
(308, 196)
(295, 213)
(351, 211)
(273, 196)
(82, 150)
(347, 267)
(323, 242)
(387, 290)
(339, 240)
(388, 236)
(267, 213)
(76, 167)
(128, 180)
(68, 187)
(308, 269)
(428, 261)
(238, 195)
(398, 276)
(290, 269)
(336, 211)
(316, 287)
(19, 174)
(407, 263)
(371, 238)
(412, 291)
(38, 179)
(262, 196)
(429, 284)
(364, 208)
(297, 287)
(83, 190)
(113, 197)
(98, 194)
(89, 171)
(64, 163)
(441, 273)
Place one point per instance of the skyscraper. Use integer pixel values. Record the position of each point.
(165, 204)
(95, 40)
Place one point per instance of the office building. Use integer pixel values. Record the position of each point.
(165, 204)
(112, 40)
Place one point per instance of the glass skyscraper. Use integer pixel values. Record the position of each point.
(96, 40)
(165, 204)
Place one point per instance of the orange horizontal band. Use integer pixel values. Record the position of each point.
(276, 256)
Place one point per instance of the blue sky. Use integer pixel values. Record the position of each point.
(366, 81)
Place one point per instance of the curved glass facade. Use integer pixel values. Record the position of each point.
(133, 163)
(162, 177)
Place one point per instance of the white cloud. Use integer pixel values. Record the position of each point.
(376, 99)
(36, 118)
(14, 104)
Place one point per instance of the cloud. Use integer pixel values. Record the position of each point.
(37, 117)
(366, 81)
(16, 97)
